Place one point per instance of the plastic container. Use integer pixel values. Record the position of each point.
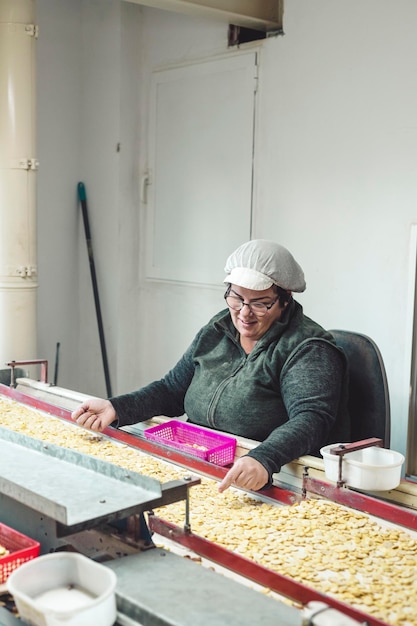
(369, 469)
(64, 589)
(191, 439)
(21, 549)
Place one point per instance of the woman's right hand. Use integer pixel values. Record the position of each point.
(95, 414)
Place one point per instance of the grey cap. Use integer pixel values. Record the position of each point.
(258, 264)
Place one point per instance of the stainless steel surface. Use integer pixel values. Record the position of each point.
(67, 486)
(158, 588)
(8, 619)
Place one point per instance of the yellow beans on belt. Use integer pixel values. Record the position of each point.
(333, 549)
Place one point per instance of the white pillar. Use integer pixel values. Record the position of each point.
(18, 165)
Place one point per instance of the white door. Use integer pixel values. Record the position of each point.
(199, 196)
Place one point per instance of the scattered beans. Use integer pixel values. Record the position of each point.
(335, 550)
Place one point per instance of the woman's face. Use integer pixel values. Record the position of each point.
(247, 323)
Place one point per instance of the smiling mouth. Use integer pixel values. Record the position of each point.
(247, 323)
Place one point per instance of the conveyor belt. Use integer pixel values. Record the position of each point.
(297, 591)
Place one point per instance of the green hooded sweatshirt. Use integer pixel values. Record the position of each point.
(289, 393)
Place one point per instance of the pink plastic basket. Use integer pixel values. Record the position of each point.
(210, 446)
(20, 547)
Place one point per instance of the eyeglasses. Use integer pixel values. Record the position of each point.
(258, 308)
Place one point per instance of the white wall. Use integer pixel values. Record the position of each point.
(59, 59)
(336, 170)
(88, 131)
(335, 178)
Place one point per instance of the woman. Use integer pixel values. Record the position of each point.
(260, 369)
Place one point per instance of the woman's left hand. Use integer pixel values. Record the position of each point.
(246, 473)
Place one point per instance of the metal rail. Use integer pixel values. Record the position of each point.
(42, 362)
(362, 502)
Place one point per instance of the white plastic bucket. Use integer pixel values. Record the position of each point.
(64, 589)
(369, 469)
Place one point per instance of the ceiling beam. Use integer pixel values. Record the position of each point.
(264, 15)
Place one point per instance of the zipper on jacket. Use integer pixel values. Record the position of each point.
(218, 392)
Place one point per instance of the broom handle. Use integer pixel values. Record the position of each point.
(83, 201)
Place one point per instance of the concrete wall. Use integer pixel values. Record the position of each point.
(334, 178)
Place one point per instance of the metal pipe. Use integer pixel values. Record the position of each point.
(42, 362)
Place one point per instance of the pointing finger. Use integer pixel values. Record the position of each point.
(227, 481)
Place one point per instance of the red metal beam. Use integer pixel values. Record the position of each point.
(36, 403)
(257, 573)
(362, 502)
